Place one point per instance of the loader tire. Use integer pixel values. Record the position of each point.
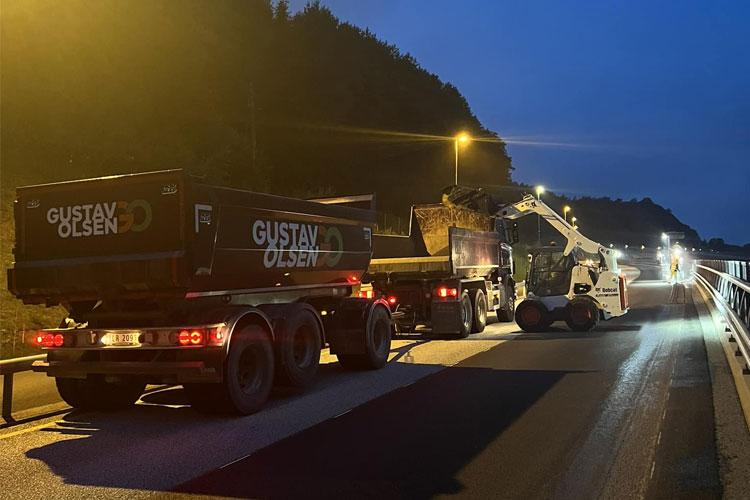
(581, 314)
(532, 316)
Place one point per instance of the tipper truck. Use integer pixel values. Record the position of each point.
(167, 279)
(453, 267)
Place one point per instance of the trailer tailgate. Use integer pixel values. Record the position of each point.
(120, 232)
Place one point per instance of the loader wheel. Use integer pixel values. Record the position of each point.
(506, 313)
(94, 393)
(581, 314)
(248, 376)
(532, 316)
(479, 316)
(298, 349)
(377, 343)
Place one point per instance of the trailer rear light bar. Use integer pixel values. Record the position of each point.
(157, 337)
(445, 292)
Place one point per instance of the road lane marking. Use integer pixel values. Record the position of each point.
(29, 429)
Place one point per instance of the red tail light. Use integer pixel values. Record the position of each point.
(191, 337)
(196, 337)
(46, 340)
(444, 292)
(58, 340)
(392, 300)
(184, 337)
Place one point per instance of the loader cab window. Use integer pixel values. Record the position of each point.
(550, 272)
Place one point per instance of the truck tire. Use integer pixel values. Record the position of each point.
(248, 376)
(479, 316)
(94, 393)
(532, 316)
(298, 343)
(377, 343)
(581, 314)
(467, 315)
(507, 312)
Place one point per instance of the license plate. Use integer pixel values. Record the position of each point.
(122, 339)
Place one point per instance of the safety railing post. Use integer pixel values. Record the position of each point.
(7, 397)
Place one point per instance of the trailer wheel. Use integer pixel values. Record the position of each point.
(298, 349)
(248, 376)
(94, 393)
(467, 316)
(377, 343)
(507, 312)
(532, 316)
(479, 303)
(581, 314)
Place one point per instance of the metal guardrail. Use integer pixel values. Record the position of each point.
(8, 368)
(727, 282)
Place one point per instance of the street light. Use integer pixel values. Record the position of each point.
(566, 209)
(539, 191)
(462, 138)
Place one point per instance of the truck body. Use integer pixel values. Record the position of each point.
(453, 267)
(167, 279)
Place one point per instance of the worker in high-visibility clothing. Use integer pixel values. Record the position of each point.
(674, 264)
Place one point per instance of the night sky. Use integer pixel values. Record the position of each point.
(627, 98)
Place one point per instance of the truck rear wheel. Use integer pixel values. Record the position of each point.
(479, 303)
(467, 316)
(298, 349)
(581, 314)
(377, 343)
(508, 310)
(94, 393)
(248, 376)
(532, 316)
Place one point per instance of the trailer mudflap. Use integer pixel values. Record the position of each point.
(346, 326)
(446, 317)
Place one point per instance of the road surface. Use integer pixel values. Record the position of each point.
(624, 412)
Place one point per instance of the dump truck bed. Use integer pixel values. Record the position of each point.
(442, 241)
(168, 234)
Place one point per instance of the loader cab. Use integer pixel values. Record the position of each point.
(550, 272)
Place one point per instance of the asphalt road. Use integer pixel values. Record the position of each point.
(622, 412)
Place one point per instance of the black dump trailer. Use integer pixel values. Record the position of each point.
(454, 266)
(169, 280)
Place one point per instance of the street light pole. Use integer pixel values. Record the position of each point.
(566, 209)
(462, 137)
(539, 191)
(456, 144)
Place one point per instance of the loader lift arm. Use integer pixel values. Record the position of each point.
(575, 239)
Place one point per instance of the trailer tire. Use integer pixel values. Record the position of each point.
(508, 311)
(94, 393)
(377, 343)
(581, 314)
(532, 316)
(248, 376)
(479, 312)
(298, 344)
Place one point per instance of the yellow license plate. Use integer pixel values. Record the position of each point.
(129, 339)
